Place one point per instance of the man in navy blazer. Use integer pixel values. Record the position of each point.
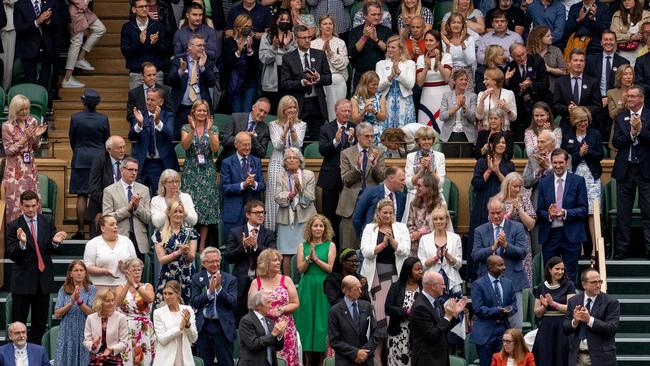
(253, 123)
(241, 181)
(214, 298)
(152, 134)
(507, 239)
(493, 301)
(562, 209)
(632, 168)
(393, 189)
(31, 353)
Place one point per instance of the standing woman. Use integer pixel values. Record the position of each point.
(458, 117)
(441, 250)
(542, 120)
(433, 71)
(336, 11)
(106, 333)
(540, 42)
(626, 23)
(200, 139)
(427, 198)
(475, 19)
(295, 195)
(241, 60)
(296, 8)
(410, 9)
(21, 136)
(73, 305)
(495, 58)
(623, 80)
(459, 45)
(287, 131)
(396, 80)
(495, 96)
(399, 300)
(316, 258)
(134, 300)
(369, 104)
(337, 56)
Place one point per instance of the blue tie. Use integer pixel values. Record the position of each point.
(364, 163)
(582, 332)
(344, 137)
(37, 7)
(152, 138)
(211, 309)
(497, 230)
(497, 291)
(355, 316)
(251, 126)
(129, 196)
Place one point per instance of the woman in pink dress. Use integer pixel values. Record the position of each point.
(283, 298)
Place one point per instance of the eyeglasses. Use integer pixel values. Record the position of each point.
(141, 6)
(507, 341)
(353, 261)
(212, 261)
(258, 212)
(595, 282)
(306, 37)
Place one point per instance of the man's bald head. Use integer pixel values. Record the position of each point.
(351, 287)
(495, 265)
(433, 283)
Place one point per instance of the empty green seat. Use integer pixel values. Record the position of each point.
(311, 151)
(48, 190)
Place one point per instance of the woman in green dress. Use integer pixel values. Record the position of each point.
(200, 139)
(315, 260)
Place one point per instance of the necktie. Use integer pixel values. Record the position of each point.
(244, 166)
(582, 332)
(251, 126)
(267, 326)
(523, 72)
(251, 254)
(37, 7)
(152, 138)
(129, 196)
(608, 71)
(210, 310)
(344, 137)
(576, 90)
(497, 292)
(559, 193)
(436, 306)
(193, 81)
(634, 158)
(497, 230)
(364, 163)
(306, 61)
(392, 198)
(118, 174)
(20, 361)
(355, 316)
(39, 258)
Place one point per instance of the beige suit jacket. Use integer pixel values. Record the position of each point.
(117, 332)
(351, 178)
(305, 207)
(115, 203)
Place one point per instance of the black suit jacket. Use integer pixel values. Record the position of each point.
(642, 74)
(137, 99)
(26, 279)
(345, 339)
(563, 95)
(292, 73)
(207, 79)
(600, 337)
(330, 170)
(538, 91)
(255, 341)
(101, 176)
(623, 143)
(594, 155)
(429, 334)
(594, 68)
(239, 122)
(163, 139)
(28, 35)
(88, 134)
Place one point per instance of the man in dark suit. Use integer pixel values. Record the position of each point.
(304, 72)
(138, 95)
(431, 322)
(31, 239)
(493, 301)
(20, 349)
(352, 329)
(632, 168)
(260, 338)
(152, 133)
(191, 76)
(251, 123)
(588, 18)
(243, 246)
(591, 322)
(562, 209)
(393, 189)
(214, 297)
(507, 239)
(642, 64)
(241, 181)
(575, 89)
(334, 137)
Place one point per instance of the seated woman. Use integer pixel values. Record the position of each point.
(496, 119)
(169, 191)
(514, 351)
(106, 333)
(347, 264)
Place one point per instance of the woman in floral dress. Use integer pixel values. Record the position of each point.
(283, 299)
(369, 105)
(134, 300)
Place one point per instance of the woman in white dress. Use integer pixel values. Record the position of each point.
(433, 72)
(396, 81)
(459, 44)
(286, 131)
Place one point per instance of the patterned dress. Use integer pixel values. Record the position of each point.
(69, 345)
(20, 171)
(371, 117)
(142, 346)
(401, 110)
(275, 165)
(179, 269)
(279, 297)
(200, 180)
(398, 346)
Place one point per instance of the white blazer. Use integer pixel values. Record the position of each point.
(159, 207)
(406, 78)
(369, 242)
(427, 249)
(409, 170)
(167, 331)
(506, 95)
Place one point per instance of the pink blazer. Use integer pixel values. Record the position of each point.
(117, 335)
(80, 16)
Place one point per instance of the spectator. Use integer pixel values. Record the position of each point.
(473, 18)
(261, 347)
(538, 166)
(106, 330)
(73, 305)
(458, 117)
(241, 59)
(134, 300)
(162, 11)
(88, 131)
(21, 136)
(200, 139)
(409, 11)
(104, 172)
(542, 120)
(304, 73)
(460, 45)
(399, 300)
(143, 39)
(19, 350)
(336, 12)
(8, 33)
(433, 72)
(386, 18)
(367, 41)
(195, 25)
(540, 43)
(168, 193)
(32, 278)
(588, 18)
(495, 58)
(562, 209)
(514, 16)
(214, 298)
(149, 78)
(254, 124)
(623, 80)
(299, 16)
(176, 328)
(282, 297)
(347, 264)
(315, 259)
(262, 18)
(396, 81)
(627, 26)
(515, 349)
(393, 142)
(414, 37)
(128, 201)
(551, 297)
(496, 96)
(641, 67)
(496, 120)
(500, 35)
(427, 198)
(337, 57)
(392, 189)
(548, 13)
(424, 160)
(295, 194)
(369, 104)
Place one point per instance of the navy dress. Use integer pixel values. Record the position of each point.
(551, 345)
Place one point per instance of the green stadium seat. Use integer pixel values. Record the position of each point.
(270, 118)
(295, 274)
(198, 361)
(450, 193)
(612, 212)
(36, 94)
(221, 120)
(311, 151)
(519, 154)
(282, 362)
(48, 341)
(538, 269)
(48, 191)
(180, 151)
(456, 361)
(471, 356)
(329, 361)
(439, 11)
(528, 301)
(269, 151)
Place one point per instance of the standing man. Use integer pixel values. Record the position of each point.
(261, 339)
(562, 210)
(138, 94)
(431, 322)
(642, 64)
(214, 297)
(514, 15)
(588, 18)
(632, 169)
(195, 26)
(500, 36)
(305, 71)
(415, 43)
(31, 239)
(253, 124)
(367, 43)
(591, 322)
(19, 351)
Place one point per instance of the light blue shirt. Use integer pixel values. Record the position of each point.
(21, 353)
(603, 78)
(186, 96)
(211, 297)
(553, 16)
(348, 303)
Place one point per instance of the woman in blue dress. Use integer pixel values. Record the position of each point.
(368, 104)
(73, 305)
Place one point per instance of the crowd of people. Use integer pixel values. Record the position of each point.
(380, 265)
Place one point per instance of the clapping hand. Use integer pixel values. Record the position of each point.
(509, 73)
(362, 356)
(249, 241)
(154, 38)
(453, 306)
(584, 149)
(96, 342)
(40, 129)
(185, 319)
(296, 183)
(20, 234)
(75, 295)
(143, 36)
(182, 65)
(203, 59)
(279, 327)
(250, 180)
(139, 118)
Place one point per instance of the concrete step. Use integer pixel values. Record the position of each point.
(110, 39)
(633, 344)
(634, 324)
(70, 104)
(62, 117)
(111, 66)
(632, 360)
(634, 304)
(628, 285)
(114, 25)
(107, 94)
(104, 51)
(624, 268)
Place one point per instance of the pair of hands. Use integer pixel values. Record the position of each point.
(581, 314)
(203, 58)
(370, 32)
(96, 342)
(34, 131)
(215, 282)
(153, 38)
(372, 158)
(500, 242)
(453, 306)
(58, 237)
(208, 127)
(635, 125)
(139, 117)
(135, 201)
(250, 241)
(350, 131)
(556, 213)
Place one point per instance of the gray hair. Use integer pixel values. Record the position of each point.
(128, 160)
(296, 151)
(209, 250)
(515, 45)
(549, 134)
(130, 262)
(110, 140)
(10, 326)
(363, 126)
(497, 199)
(164, 176)
(498, 112)
(256, 299)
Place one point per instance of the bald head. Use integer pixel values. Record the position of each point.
(351, 287)
(433, 283)
(115, 146)
(495, 265)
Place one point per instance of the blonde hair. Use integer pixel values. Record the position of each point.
(455, 7)
(264, 259)
(166, 175)
(285, 102)
(100, 298)
(404, 54)
(578, 114)
(491, 53)
(455, 14)
(417, 11)
(424, 133)
(240, 22)
(619, 74)
(441, 207)
(381, 204)
(18, 102)
(166, 231)
(366, 78)
(199, 103)
(176, 287)
(322, 19)
(329, 231)
(512, 177)
(496, 75)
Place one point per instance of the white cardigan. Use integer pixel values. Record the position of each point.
(406, 78)
(438, 169)
(506, 95)
(159, 206)
(167, 330)
(369, 242)
(427, 249)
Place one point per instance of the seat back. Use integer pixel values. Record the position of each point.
(48, 191)
(439, 11)
(538, 269)
(456, 361)
(198, 361)
(471, 356)
(282, 361)
(295, 274)
(49, 341)
(180, 151)
(36, 94)
(311, 151)
(329, 361)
